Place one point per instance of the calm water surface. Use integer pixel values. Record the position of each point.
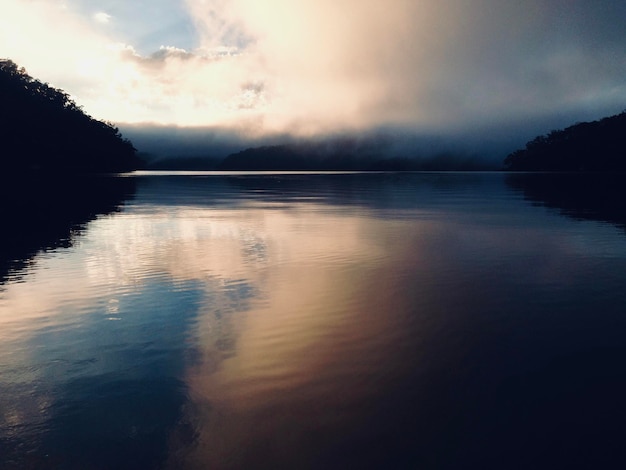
(321, 321)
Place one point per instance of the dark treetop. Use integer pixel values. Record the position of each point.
(41, 128)
(587, 146)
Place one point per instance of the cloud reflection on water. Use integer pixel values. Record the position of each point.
(265, 326)
(137, 269)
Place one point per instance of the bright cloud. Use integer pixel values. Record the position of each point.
(102, 17)
(316, 65)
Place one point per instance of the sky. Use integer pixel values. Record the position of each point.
(314, 67)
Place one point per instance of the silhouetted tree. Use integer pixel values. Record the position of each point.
(42, 128)
(587, 146)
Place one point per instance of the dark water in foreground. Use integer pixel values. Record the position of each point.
(437, 321)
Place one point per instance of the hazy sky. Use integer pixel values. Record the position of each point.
(310, 66)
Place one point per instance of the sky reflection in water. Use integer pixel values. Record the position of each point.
(318, 322)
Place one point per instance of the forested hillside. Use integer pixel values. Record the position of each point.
(42, 128)
(587, 146)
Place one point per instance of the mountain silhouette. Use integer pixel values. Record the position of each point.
(42, 128)
(341, 156)
(583, 147)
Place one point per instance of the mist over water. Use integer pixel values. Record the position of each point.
(321, 321)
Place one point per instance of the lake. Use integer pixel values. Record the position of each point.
(321, 321)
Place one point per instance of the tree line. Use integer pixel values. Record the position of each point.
(583, 147)
(43, 129)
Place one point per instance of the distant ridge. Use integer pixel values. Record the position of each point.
(314, 157)
(42, 129)
(598, 146)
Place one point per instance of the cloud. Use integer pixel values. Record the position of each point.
(51, 41)
(102, 17)
(320, 66)
(431, 63)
